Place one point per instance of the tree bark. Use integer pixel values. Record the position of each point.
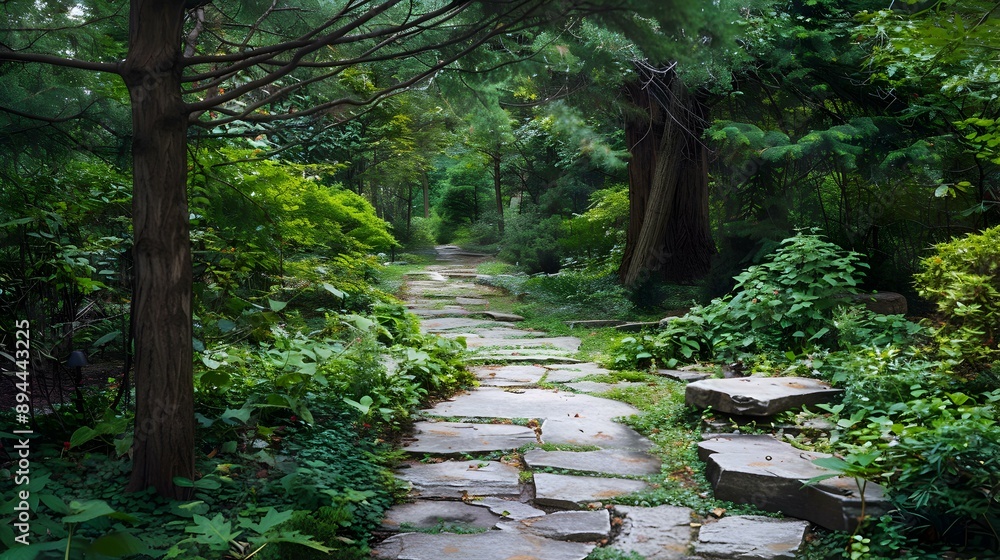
(427, 194)
(164, 431)
(498, 191)
(668, 235)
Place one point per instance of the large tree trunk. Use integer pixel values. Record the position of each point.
(498, 192)
(164, 386)
(668, 235)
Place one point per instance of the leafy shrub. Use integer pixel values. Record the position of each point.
(598, 235)
(787, 301)
(963, 278)
(682, 340)
(531, 241)
(857, 325)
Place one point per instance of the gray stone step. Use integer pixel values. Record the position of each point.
(685, 376)
(491, 545)
(564, 373)
(751, 537)
(490, 402)
(454, 438)
(575, 492)
(444, 324)
(608, 461)
(770, 475)
(471, 301)
(758, 396)
(594, 323)
(504, 317)
(462, 479)
(509, 375)
(508, 509)
(575, 526)
(597, 387)
(438, 514)
(655, 533)
(587, 431)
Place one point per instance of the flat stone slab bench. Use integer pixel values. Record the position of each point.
(758, 396)
(770, 474)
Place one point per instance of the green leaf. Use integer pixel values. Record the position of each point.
(225, 325)
(332, 290)
(270, 520)
(117, 545)
(106, 339)
(276, 305)
(87, 510)
(242, 414)
(833, 463)
(82, 435)
(210, 363)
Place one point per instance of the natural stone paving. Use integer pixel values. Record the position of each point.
(458, 479)
(484, 495)
(491, 545)
(576, 526)
(453, 438)
(509, 375)
(436, 514)
(569, 491)
(494, 402)
(657, 533)
(609, 461)
(751, 537)
(599, 432)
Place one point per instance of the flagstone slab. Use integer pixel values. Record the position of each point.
(504, 317)
(491, 545)
(471, 301)
(491, 330)
(490, 402)
(594, 323)
(430, 274)
(451, 323)
(597, 387)
(457, 479)
(771, 476)
(508, 509)
(608, 461)
(509, 375)
(685, 376)
(758, 396)
(559, 343)
(533, 355)
(438, 514)
(564, 373)
(574, 492)
(455, 438)
(656, 533)
(576, 526)
(422, 312)
(751, 537)
(600, 432)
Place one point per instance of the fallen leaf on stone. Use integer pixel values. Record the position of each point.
(719, 512)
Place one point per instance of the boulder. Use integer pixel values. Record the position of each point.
(884, 303)
(772, 474)
(758, 396)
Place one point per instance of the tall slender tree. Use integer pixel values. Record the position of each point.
(212, 65)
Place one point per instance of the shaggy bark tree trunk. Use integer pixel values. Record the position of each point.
(164, 431)
(497, 191)
(668, 234)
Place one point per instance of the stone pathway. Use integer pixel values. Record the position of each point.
(549, 504)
